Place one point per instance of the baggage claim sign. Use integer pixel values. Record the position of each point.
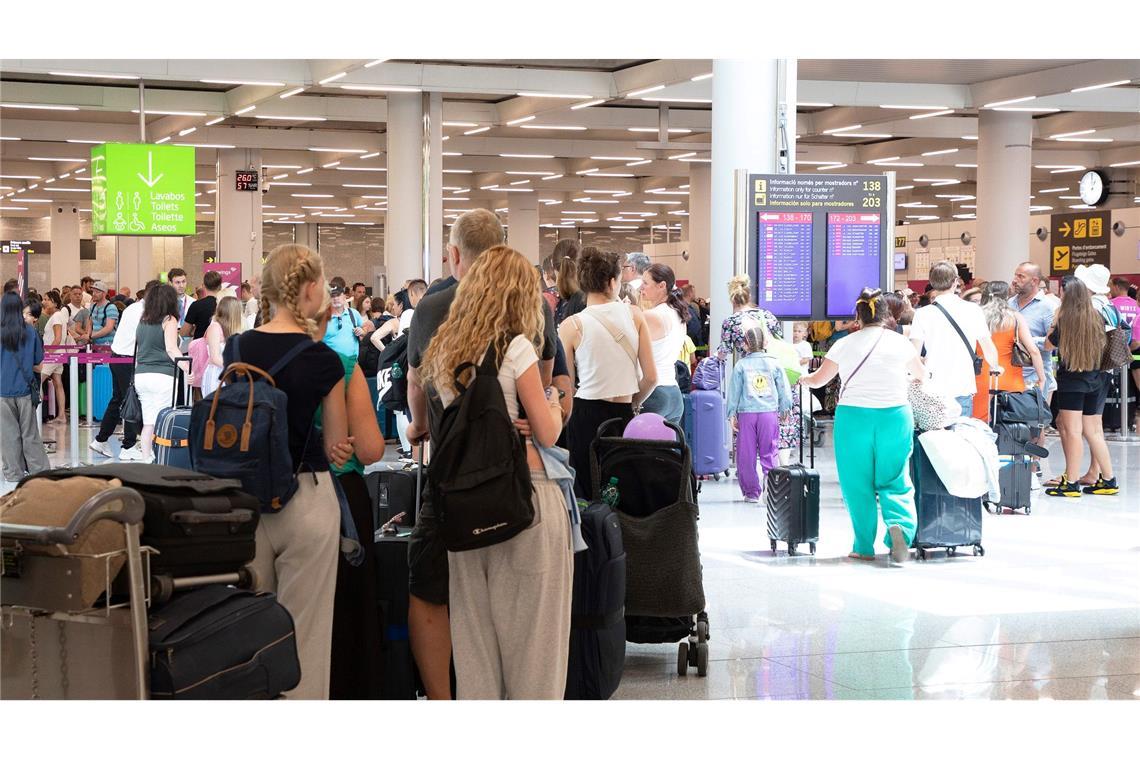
(815, 242)
(142, 189)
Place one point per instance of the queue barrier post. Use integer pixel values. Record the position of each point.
(73, 423)
(90, 393)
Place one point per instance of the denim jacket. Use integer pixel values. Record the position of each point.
(758, 384)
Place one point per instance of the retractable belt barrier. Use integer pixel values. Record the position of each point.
(73, 356)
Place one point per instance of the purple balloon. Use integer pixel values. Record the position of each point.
(649, 426)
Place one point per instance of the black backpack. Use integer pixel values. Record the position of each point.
(369, 356)
(478, 476)
(392, 375)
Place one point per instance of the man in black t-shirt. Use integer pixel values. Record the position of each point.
(200, 313)
(472, 233)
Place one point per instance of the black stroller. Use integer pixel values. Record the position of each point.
(665, 596)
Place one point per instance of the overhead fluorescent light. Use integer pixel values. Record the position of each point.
(701, 77)
(280, 166)
(521, 120)
(1072, 134)
(293, 184)
(13, 208)
(945, 152)
(872, 161)
(933, 113)
(1011, 101)
(459, 124)
(552, 176)
(654, 130)
(379, 88)
(917, 108)
(904, 187)
(5, 137)
(659, 99)
(1070, 169)
(964, 166)
(458, 171)
(172, 113)
(643, 162)
(1124, 163)
(1040, 208)
(1057, 166)
(334, 77)
(903, 163)
(291, 93)
(368, 187)
(615, 158)
(587, 104)
(1027, 109)
(664, 203)
(184, 132)
(842, 129)
(289, 118)
(528, 174)
(595, 200)
(956, 198)
(374, 154)
(330, 165)
(622, 227)
(70, 189)
(321, 208)
(918, 204)
(1101, 86)
(338, 150)
(866, 135)
(376, 62)
(82, 75)
(683, 155)
(476, 131)
(40, 106)
(56, 158)
(690, 161)
(646, 91)
(559, 95)
(215, 121)
(1085, 139)
(251, 82)
(218, 146)
(1081, 206)
(312, 195)
(361, 169)
(305, 171)
(563, 127)
(205, 182)
(814, 105)
(829, 167)
(524, 155)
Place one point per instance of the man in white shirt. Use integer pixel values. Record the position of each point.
(123, 346)
(416, 290)
(85, 285)
(949, 355)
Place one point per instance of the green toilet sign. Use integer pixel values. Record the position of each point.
(142, 189)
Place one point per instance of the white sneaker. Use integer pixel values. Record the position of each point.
(899, 550)
(133, 454)
(101, 448)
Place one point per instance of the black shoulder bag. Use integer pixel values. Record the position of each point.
(973, 354)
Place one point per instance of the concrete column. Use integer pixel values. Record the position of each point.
(744, 136)
(134, 264)
(1004, 167)
(237, 221)
(522, 217)
(403, 226)
(433, 169)
(306, 235)
(64, 244)
(700, 229)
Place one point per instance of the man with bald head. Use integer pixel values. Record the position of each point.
(1029, 299)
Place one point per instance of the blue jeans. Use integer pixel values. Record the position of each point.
(967, 403)
(667, 401)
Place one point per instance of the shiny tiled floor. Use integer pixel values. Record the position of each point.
(1051, 612)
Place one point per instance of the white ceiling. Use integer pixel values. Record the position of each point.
(485, 93)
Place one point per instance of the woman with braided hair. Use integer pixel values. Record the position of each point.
(298, 547)
(874, 427)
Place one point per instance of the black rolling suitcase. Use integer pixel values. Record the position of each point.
(597, 623)
(791, 496)
(219, 642)
(200, 525)
(945, 521)
(393, 490)
(1015, 478)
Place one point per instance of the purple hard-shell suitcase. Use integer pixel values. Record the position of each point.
(710, 443)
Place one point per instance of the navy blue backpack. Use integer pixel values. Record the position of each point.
(241, 431)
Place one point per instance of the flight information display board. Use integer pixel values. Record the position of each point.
(854, 253)
(784, 273)
(813, 241)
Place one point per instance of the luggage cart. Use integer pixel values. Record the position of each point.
(37, 588)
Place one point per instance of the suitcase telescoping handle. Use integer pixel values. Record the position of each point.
(994, 376)
(185, 382)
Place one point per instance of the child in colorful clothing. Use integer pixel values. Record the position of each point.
(758, 393)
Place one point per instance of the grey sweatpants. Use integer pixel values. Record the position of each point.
(297, 551)
(510, 608)
(23, 448)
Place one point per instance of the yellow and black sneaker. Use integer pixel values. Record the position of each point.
(1065, 488)
(1103, 487)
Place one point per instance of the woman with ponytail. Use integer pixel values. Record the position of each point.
(874, 427)
(744, 311)
(665, 316)
(298, 547)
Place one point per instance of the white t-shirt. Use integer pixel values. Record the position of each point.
(519, 358)
(950, 365)
(124, 342)
(882, 381)
(406, 319)
(59, 318)
(803, 348)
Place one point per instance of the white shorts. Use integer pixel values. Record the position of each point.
(155, 392)
(47, 370)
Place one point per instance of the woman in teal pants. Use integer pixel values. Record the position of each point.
(874, 429)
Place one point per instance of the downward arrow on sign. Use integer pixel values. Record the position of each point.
(150, 179)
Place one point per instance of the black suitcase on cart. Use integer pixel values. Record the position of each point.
(945, 521)
(791, 495)
(200, 525)
(219, 642)
(597, 622)
(393, 490)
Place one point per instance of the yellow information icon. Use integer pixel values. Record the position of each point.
(1061, 258)
(1096, 228)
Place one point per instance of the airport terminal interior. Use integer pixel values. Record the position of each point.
(895, 165)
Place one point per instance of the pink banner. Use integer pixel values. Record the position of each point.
(230, 272)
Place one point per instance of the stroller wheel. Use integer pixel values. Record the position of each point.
(702, 659)
(702, 631)
(683, 658)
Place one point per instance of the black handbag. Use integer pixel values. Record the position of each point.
(1027, 406)
(131, 408)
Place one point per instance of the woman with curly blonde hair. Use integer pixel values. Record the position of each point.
(298, 546)
(510, 602)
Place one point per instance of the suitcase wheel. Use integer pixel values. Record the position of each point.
(1027, 509)
(773, 546)
(951, 551)
(683, 658)
(702, 659)
(812, 546)
(920, 554)
(979, 551)
(792, 549)
(716, 476)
